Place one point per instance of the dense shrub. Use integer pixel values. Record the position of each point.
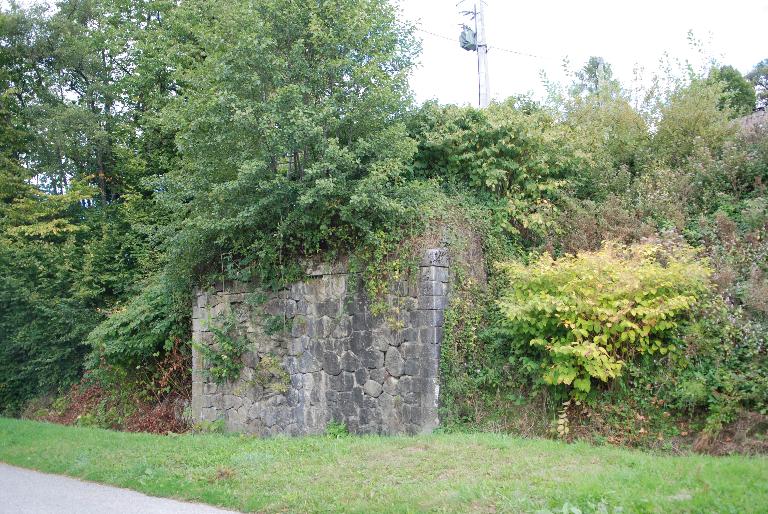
(139, 330)
(587, 314)
(725, 367)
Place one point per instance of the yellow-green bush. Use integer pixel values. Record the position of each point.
(592, 312)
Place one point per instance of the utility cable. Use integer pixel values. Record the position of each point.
(454, 40)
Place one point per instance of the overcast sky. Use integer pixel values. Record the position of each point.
(625, 33)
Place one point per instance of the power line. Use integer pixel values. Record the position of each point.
(453, 40)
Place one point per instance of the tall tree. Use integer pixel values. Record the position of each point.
(75, 147)
(738, 92)
(759, 78)
(284, 109)
(593, 75)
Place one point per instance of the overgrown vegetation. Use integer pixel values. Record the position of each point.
(639, 269)
(152, 146)
(223, 355)
(589, 314)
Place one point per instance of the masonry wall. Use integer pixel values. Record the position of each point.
(317, 354)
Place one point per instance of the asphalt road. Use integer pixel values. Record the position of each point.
(29, 492)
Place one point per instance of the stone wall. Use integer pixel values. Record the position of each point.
(317, 354)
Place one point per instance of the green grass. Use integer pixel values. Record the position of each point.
(442, 472)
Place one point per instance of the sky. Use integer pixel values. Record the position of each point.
(626, 34)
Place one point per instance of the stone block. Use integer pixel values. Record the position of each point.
(308, 363)
(343, 327)
(347, 381)
(420, 359)
(347, 404)
(431, 335)
(432, 288)
(382, 338)
(332, 396)
(327, 325)
(361, 341)
(250, 359)
(435, 257)
(254, 412)
(390, 385)
(358, 395)
(413, 414)
(310, 383)
(404, 385)
(236, 419)
(296, 291)
(331, 364)
(433, 273)
(394, 362)
(349, 361)
(221, 309)
(432, 319)
(371, 358)
(330, 307)
(336, 282)
(317, 349)
(236, 298)
(292, 365)
(369, 421)
(361, 376)
(297, 345)
(377, 374)
(360, 320)
(433, 302)
(303, 307)
(411, 367)
(299, 326)
(372, 388)
(407, 334)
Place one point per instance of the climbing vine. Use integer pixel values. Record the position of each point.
(223, 358)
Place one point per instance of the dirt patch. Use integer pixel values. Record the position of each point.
(154, 402)
(748, 435)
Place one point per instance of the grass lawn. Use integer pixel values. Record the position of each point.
(442, 472)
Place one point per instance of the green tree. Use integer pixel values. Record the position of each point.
(738, 92)
(759, 78)
(77, 223)
(287, 122)
(692, 119)
(593, 75)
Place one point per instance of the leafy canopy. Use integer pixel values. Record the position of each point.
(738, 92)
(759, 78)
(287, 126)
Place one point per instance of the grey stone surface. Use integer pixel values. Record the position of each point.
(376, 374)
(394, 362)
(372, 388)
